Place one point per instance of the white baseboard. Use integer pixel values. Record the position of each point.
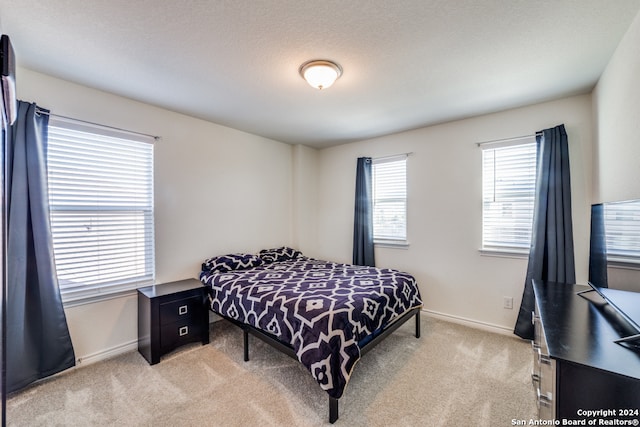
(469, 322)
(88, 359)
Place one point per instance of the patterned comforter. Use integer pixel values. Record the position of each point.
(321, 309)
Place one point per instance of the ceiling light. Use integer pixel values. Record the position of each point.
(320, 73)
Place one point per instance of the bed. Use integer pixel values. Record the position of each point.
(324, 314)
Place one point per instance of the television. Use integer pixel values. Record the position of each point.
(614, 262)
(8, 76)
(614, 253)
(8, 113)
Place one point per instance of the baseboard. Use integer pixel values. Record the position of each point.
(469, 322)
(133, 345)
(107, 354)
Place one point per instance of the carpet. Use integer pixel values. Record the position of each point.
(452, 376)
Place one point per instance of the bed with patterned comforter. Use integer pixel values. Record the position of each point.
(325, 311)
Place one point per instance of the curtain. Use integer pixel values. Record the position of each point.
(551, 254)
(37, 338)
(363, 217)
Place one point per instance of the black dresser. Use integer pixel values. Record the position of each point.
(170, 315)
(577, 365)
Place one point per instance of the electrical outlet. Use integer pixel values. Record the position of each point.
(507, 302)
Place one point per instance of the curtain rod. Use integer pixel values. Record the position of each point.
(392, 156)
(45, 112)
(515, 138)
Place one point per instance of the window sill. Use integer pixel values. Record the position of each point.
(624, 263)
(505, 253)
(393, 244)
(80, 297)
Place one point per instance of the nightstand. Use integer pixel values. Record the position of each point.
(170, 315)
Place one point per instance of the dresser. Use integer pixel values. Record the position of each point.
(171, 315)
(577, 365)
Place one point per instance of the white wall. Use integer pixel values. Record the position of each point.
(617, 114)
(444, 207)
(616, 106)
(305, 188)
(217, 190)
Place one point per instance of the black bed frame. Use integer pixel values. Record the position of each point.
(289, 351)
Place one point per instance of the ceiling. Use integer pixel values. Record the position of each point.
(407, 63)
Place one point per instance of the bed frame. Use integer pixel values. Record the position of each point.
(289, 351)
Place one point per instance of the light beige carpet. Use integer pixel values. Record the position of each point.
(451, 376)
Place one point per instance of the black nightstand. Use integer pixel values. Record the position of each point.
(170, 315)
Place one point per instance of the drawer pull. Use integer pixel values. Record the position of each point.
(183, 309)
(535, 346)
(545, 358)
(184, 331)
(543, 399)
(535, 378)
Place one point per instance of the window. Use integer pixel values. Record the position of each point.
(508, 194)
(622, 224)
(390, 200)
(101, 201)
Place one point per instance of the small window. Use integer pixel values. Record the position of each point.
(101, 202)
(508, 194)
(390, 200)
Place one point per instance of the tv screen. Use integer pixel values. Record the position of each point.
(8, 74)
(614, 255)
(598, 248)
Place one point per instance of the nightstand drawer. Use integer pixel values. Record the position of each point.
(178, 333)
(181, 310)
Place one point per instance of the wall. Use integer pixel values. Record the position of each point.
(217, 190)
(305, 209)
(445, 211)
(616, 109)
(617, 112)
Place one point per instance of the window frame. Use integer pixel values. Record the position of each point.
(140, 212)
(390, 242)
(507, 248)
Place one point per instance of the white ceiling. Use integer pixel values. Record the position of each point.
(407, 63)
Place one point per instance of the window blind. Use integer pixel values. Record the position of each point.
(101, 203)
(390, 199)
(508, 194)
(622, 224)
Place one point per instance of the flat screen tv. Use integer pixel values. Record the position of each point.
(8, 77)
(615, 240)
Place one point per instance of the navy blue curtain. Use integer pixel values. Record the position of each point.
(37, 338)
(363, 217)
(551, 255)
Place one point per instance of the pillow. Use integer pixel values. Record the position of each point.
(279, 254)
(231, 262)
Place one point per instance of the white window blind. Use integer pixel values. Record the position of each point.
(508, 194)
(101, 201)
(622, 225)
(390, 199)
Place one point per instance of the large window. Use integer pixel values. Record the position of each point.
(390, 200)
(508, 194)
(101, 201)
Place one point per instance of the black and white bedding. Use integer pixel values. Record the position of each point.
(324, 310)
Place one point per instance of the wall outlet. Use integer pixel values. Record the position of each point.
(507, 302)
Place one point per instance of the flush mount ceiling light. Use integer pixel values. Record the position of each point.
(320, 73)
